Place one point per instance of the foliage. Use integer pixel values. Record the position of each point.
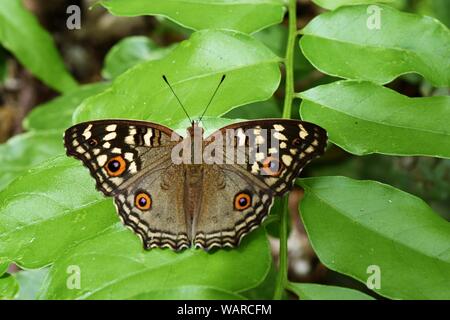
(52, 216)
(21, 34)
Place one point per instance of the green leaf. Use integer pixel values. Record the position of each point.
(115, 266)
(188, 293)
(129, 52)
(194, 69)
(364, 118)
(340, 43)
(3, 65)
(246, 16)
(30, 283)
(8, 287)
(312, 291)
(4, 265)
(333, 4)
(439, 9)
(21, 34)
(51, 208)
(258, 110)
(356, 227)
(265, 290)
(57, 113)
(27, 150)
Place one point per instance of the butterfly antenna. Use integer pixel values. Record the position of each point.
(214, 94)
(171, 89)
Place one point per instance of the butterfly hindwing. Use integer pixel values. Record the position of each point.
(231, 206)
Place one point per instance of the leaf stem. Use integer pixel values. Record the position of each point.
(282, 276)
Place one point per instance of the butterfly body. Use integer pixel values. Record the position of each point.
(205, 192)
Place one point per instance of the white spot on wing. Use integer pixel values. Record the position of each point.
(278, 127)
(111, 127)
(102, 160)
(132, 168)
(87, 132)
(129, 156)
(286, 159)
(279, 136)
(110, 136)
(303, 133)
(309, 149)
(80, 150)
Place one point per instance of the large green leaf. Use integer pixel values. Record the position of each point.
(333, 4)
(340, 43)
(356, 227)
(129, 52)
(194, 69)
(312, 291)
(21, 34)
(188, 293)
(115, 266)
(57, 113)
(246, 16)
(8, 287)
(52, 207)
(363, 118)
(24, 151)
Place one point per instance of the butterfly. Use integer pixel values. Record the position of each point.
(169, 198)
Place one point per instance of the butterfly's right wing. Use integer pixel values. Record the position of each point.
(266, 157)
(131, 161)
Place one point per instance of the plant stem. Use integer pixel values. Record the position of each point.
(289, 59)
(282, 277)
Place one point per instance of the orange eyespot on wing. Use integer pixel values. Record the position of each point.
(115, 166)
(271, 166)
(143, 201)
(242, 201)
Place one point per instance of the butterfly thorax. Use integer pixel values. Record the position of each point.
(193, 183)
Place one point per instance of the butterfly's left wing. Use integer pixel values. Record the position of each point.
(268, 156)
(131, 161)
